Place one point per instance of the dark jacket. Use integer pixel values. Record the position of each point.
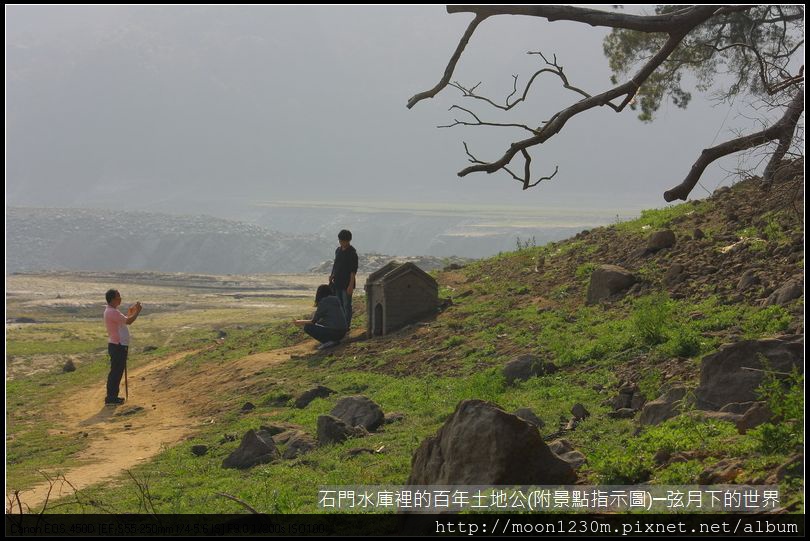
(330, 314)
(343, 267)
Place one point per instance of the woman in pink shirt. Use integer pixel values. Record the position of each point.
(118, 343)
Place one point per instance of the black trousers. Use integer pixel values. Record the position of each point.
(118, 362)
(323, 334)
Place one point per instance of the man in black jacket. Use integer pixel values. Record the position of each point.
(344, 269)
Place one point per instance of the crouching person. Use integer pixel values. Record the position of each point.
(328, 324)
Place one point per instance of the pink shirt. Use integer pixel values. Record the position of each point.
(116, 324)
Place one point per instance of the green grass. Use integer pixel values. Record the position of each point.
(181, 482)
(654, 219)
(633, 463)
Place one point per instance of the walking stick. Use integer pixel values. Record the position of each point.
(126, 383)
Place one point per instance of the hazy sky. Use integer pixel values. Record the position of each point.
(138, 107)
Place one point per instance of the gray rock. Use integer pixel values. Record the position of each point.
(252, 451)
(316, 392)
(359, 411)
(199, 450)
(300, 443)
(284, 437)
(579, 412)
(607, 280)
(575, 458)
(621, 401)
(756, 415)
(727, 376)
(248, 406)
(747, 280)
(560, 446)
(661, 240)
(526, 366)
(480, 444)
(69, 366)
(722, 473)
(698, 234)
(637, 402)
(785, 294)
(333, 430)
(663, 408)
(563, 449)
(674, 275)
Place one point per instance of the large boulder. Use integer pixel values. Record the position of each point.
(607, 280)
(480, 444)
(359, 411)
(736, 370)
(253, 450)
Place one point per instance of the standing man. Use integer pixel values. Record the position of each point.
(118, 343)
(343, 274)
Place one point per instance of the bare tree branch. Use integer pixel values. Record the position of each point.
(725, 32)
(526, 178)
(479, 122)
(667, 23)
(559, 120)
(451, 66)
(555, 69)
(675, 22)
(781, 130)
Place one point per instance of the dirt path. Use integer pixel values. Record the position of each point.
(164, 408)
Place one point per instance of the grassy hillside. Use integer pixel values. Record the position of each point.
(528, 301)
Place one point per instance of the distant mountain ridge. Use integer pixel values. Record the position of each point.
(89, 239)
(53, 239)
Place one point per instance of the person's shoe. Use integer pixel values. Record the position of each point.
(327, 345)
(115, 400)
